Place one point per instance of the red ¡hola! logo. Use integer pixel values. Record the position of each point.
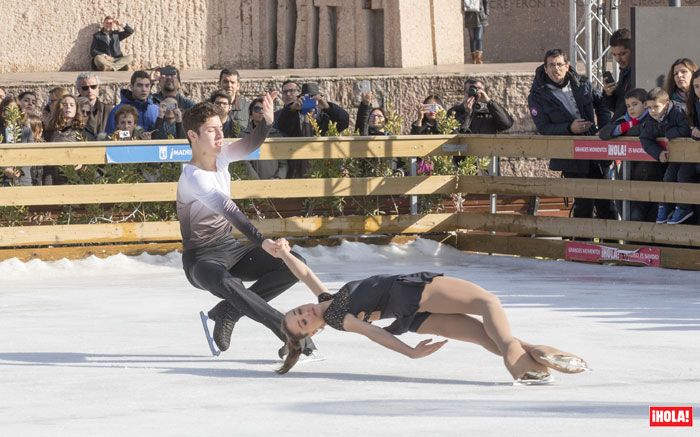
(671, 416)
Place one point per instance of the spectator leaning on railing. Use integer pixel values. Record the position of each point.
(667, 121)
(563, 103)
(630, 124)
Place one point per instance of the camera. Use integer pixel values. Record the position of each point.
(124, 134)
(171, 107)
(472, 91)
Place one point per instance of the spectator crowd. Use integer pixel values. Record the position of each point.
(561, 102)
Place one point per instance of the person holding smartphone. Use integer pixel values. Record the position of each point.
(426, 123)
(169, 84)
(294, 121)
(614, 91)
(169, 122)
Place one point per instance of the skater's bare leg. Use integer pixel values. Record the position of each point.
(459, 327)
(456, 296)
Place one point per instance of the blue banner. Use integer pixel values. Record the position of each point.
(164, 153)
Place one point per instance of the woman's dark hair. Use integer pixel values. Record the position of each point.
(293, 344)
(670, 86)
(435, 98)
(252, 105)
(692, 99)
(3, 108)
(637, 93)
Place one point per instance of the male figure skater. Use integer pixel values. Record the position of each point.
(212, 258)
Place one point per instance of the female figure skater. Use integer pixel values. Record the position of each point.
(426, 303)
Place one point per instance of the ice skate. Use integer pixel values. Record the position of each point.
(210, 341)
(558, 360)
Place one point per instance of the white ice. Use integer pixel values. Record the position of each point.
(115, 347)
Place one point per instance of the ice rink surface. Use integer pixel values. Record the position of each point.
(115, 347)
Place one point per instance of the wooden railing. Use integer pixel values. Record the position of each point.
(29, 241)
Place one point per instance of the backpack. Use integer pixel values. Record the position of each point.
(471, 5)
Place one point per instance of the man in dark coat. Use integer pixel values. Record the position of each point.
(105, 51)
(614, 92)
(563, 103)
(294, 121)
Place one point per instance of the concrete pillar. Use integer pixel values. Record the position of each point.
(286, 29)
(306, 39)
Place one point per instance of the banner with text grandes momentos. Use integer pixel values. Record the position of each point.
(611, 150)
(161, 153)
(588, 252)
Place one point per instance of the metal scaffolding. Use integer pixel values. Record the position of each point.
(589, 35)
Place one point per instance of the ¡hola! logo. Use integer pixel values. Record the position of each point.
(671, 416)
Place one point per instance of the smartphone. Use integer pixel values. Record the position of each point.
(124, 134)
(171, 107)
(308, 104)
(608, 77)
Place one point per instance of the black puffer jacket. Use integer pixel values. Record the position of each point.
(552, 118)
(293, 124)
(109, 43)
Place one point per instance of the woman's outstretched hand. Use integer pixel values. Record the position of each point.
(426, 347)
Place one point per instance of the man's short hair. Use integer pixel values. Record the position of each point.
(471, 81)
(197, 115)
(227, 72)
(290, 81)
(126, 110)
(140, 74)
(107, 17)
(85, 75)
(637, 93)
(26, 93)
(219, 95)
(657, 94)
(621, 38)
(553, 53)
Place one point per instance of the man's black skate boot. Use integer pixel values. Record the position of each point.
(223, 325)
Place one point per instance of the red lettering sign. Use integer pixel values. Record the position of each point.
(671, 416)
(587, 252)
(607, 150)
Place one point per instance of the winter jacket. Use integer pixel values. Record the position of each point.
(427, 127)
(269, 168)
(673, 125)
(182, 102)
(148, 112)
(97, 123)
(616, 102)
(109, 43)
(293, 124)
(552, 118)
(165, 130)
(489, 118)
(476, 19)
(239, 116)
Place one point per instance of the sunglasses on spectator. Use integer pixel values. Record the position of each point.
(258, 109)
(88, 87)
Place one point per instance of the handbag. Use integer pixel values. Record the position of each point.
(471, 5)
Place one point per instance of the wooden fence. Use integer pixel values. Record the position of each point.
(483, 232)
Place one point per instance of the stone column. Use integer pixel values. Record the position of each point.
(305, 47)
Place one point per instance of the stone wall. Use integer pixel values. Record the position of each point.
(243, 34)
